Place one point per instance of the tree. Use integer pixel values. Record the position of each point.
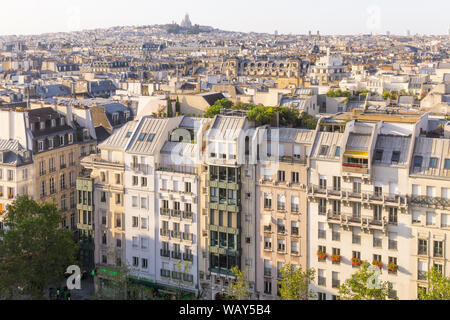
(262, 115)
(295, 283)
(438, 286)
(307, 121)
(239, 288)
(288, 116)
(364, 285)
(178, 106)
(35, 251)
(218, 107)
(169, 108)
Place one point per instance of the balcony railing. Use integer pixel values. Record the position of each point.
(164, 232)
(293, 159)
(176, 214)
(165, 273)
(165, 253)
(355, 168)
(188, 278)
(433, 202)
(165, 212)
(267, 228)
(177, 168)
(188, 236)
(139, 167)
(281, 230)
(176, 235)
(176, 255)
(188, 257)
(188, 215)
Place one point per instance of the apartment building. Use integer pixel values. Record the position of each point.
(105, 209)
(281, 205)
(16, 173)
(178, 207)
(429, 206)
(142, 229)
(228, 213)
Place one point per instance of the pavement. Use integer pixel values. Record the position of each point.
(87, 290)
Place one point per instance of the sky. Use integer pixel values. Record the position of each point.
(285, 16)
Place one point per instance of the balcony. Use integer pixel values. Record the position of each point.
(176, 235)
(355, 168)
(430, 202)
(177, 169)
(188, 278)
(188, 257)
(281, 230)
(164, 233)
(176, 214)
(165, 212)
(188, 236)
(176, 255)
(139, 168)
(188, 215)
(165, 253)
(268, 229)
(63, 166)
(165, 273)
(293, 159)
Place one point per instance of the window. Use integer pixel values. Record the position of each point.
(321, 296)
(135, 222)
(143, 203)
(268, 287)
(41, 146)
(135, 180)
(431, 221)
(281, 176)
(416, 217)
(337, 153)
(323, 150)
(144, 264)
(418, 161)
(395, 157)
(356, 210)
(129, 133)
(423, 247)
(150, 137)
(378, 155)
(295, 177)
(267, 201)
(393, 215)
(144, 223)
(337, 183)
(438, 249)
(135, 261)
(187, 187)
(322, 206)
(447, 164)
(134, 202)
(119, 243)
(433, 162)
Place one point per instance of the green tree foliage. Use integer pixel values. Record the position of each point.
(218, 107)
(263, 115)
(289, 116)
(338, 93)
(438, 286)
(169, 108)
(295, 283)
(239, 288)
(358, 287)
(35, 251)
(307, 121)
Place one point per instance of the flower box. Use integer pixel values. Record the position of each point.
(356, 262)
(336, 258)
(393, 267)
(378, 264)
(321, 255)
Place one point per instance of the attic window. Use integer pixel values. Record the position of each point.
(337, 152)
(378, 155)
(42, 125)
(418, 161)
(433, 162)
(129, 133)
(395, 156)
(142, 137)
(150, 137)
(53, 123)
(63, 121)
(323, 150)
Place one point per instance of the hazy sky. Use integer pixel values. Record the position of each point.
(286, 16)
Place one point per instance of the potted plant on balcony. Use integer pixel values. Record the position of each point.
(321, 255)
(356, 262)
(336, 258)
(377, 263)
(392, 267)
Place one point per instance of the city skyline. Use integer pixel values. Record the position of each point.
(346, 17)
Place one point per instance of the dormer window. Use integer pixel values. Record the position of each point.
(63, 121)
(42, 125)
(115, 118)
(396, 157)
(86, 134)
(53, 123)
(61, 140)
(70, 138)
(41, 146)
(51, 142)
(127, 115)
